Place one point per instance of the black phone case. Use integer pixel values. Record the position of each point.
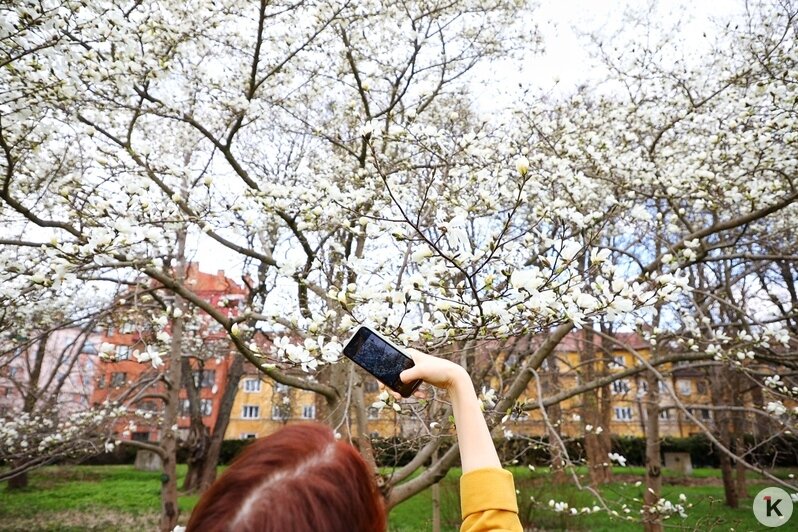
(353, 347)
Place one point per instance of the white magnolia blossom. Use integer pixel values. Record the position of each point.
(616, 457)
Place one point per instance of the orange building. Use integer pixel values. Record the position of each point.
(205, 343)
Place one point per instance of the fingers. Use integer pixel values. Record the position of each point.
(414, 353)
(410, 374)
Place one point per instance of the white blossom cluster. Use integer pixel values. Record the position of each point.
(27, 436)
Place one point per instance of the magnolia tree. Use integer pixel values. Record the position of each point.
(333, 150)
(699, 154)
(48, 353)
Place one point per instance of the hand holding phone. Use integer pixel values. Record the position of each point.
(380, 357)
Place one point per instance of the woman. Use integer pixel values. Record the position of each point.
(302, 479)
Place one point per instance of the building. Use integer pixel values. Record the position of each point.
(262, 406)
(206, 345)
(61, 372)
(621, 405)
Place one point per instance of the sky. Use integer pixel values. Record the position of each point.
(564, 64)
(566, 61)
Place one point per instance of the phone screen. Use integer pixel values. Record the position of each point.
(381, 359)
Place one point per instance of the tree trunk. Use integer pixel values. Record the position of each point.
(208, 470)
(18, 482)
(739, 430)
(31, 397)
(741, 486)
(723, 421)
(554, 413)
(336, 413)
(362, 439)
(591, 412)
(169, 509)
(198, 443)
(199, 435)
(652, 521)
(605, 403)
(728, 478)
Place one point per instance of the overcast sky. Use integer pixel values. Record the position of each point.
(565, 62)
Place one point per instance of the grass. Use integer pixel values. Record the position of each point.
(122, 498)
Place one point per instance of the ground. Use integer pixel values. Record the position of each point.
(72, 498)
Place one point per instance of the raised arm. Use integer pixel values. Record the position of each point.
(487, 492)
(476, 445)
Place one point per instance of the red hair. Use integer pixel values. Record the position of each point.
(299, 478)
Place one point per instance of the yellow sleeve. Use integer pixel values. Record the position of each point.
(488, 502)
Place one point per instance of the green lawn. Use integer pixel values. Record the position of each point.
(121, 498)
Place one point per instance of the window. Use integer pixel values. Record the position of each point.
(206, 407)
(663, 388)
(128, 327)
(279, 412)
(122, 352)
(140, 436)
(280, 388)
(248, 436)
(252, 385)
(618, 362)
(684, 387)
(705, 414)
(372, 385)
(623, 413)
(642, 387)
(701, 387)
(621, 386)
(118, 379)
(309, 412)
(205, 378)
(250, 412)
(12, 372)
(665, 415)
(89, 348)
(374, 413)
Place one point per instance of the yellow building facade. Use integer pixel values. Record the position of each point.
(262, 406)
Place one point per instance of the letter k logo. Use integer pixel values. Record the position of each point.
(772, 506)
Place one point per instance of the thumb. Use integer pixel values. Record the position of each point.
(410, 374)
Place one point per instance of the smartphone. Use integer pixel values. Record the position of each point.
(377, 355)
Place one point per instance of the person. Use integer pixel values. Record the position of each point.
(302, 479)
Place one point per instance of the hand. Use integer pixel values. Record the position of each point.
(433, 370)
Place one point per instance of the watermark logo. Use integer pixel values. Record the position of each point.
(772, 507)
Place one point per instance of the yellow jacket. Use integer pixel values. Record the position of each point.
(488, 502)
